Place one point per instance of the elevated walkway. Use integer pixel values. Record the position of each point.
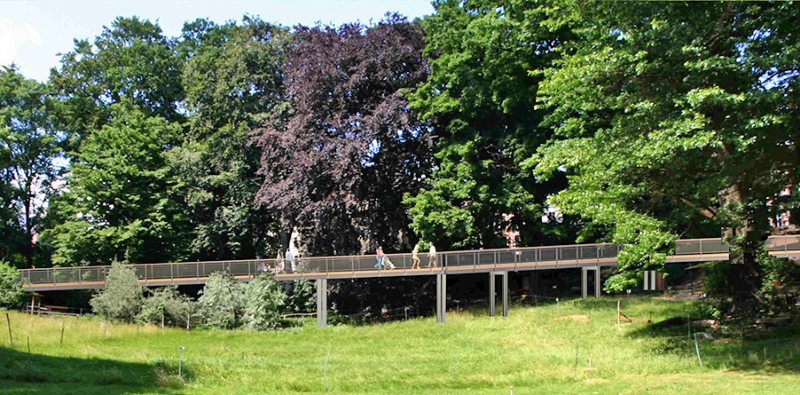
(497, 262)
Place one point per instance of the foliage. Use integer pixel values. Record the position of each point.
(130, 60)
(121, 299)
(166, 304)
(29, 144)
(11, 292)
(673, 119)
(263, 301)
(339, 155)
(232, 83)
(300, 297)
(121, 200)
(222, 301)
(480, 100)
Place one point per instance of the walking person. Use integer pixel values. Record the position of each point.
(290, 262)
(431, 255)
(379, 255)
(415, 257)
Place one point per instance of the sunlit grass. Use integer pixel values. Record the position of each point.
(534, 350)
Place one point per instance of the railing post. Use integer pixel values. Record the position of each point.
(197, 270)
(353, 265)
(701, 249)
(80, 278)
(171, 274)
(327, 271)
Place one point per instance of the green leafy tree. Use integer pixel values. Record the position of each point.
(263, 301)
(12, 294)
(166, 305)
(232, 84)
(121, 299)
(131, 60)
(675, 118)
(29, 143)
(221, 302)
(480, 100)
(121, 200)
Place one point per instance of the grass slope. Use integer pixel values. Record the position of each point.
(534, 350)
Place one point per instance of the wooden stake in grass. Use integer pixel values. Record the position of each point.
(577, 344)
(452, 363)
(619, 302)
(325, 372)
(61, 343)
(8, 321)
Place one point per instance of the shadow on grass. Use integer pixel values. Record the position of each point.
(21, 372)
(769, 351)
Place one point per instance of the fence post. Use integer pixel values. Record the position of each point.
(80, 278)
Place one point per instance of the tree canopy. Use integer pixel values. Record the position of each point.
(676, 119)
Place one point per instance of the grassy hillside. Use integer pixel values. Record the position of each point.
(534, 350)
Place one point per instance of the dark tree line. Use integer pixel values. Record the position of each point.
(563, 121)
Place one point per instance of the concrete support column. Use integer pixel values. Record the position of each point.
(441, 297)
(584, 281)
(505, 294)
(597, 282)
(491, 294)
(322, 303)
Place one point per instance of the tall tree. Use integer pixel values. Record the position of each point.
(480, 99)
(233, 83)
(674, 114)
(339, 157)
(29, 143)
(121, 199)
(131, 59)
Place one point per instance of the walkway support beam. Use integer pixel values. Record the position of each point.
(441, 297)
(322, 303)
(491, 294)
(597, 282)
(505, 294)
(585, 282)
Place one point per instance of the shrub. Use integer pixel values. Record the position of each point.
(263, 299)
(222, 301)
(121, 300)
(12, 294)
(301, 297)
(168, 304)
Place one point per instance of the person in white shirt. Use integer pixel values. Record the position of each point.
(431, 255)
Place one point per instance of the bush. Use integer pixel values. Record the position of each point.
(263, 299)
(301, 297)
(167, 304)
(121, 300)
(12, 294)
(222, 301)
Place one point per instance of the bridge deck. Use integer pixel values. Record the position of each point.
(362, 266)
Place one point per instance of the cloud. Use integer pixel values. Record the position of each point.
(12, 37)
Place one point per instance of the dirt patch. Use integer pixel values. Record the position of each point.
(576, 317)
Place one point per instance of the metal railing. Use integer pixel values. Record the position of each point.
(338, 266)
(365, 265)
(717, 246)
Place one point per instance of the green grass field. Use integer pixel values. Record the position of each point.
(533, 350)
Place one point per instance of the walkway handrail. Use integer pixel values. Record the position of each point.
(365, 265)
(562, 256)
